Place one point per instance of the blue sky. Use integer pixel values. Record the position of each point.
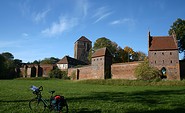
(37, 29)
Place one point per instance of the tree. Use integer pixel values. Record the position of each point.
(105, 42)
(178, 28)
(2, 67)
(8, 66)
(8, 55)
(51, 60)
(139, 56)
(144, 72)
(128, 53)
(57, 73)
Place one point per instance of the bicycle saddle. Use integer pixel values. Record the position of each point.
(52, 92)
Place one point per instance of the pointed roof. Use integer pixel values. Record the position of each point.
(83, 39)
(71, 61)
(101, 52)
(162, 43)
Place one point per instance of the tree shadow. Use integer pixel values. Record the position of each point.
(13, 101)
(149, 98)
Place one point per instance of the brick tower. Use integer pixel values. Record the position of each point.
(82, 48)
(163, 54)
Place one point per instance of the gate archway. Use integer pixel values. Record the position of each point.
(164, 73)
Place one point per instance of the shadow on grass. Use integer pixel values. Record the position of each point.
(14, 101)
(171, 101)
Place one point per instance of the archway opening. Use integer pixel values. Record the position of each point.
(33, 72)
(163, 71)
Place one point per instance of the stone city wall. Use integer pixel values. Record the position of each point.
(124, 70)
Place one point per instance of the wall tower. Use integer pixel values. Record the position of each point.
(82, 48)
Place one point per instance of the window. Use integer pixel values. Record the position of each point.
(163, 61)
(162, 53)
(155, 62)
(100, 58)
(170, 53)
(154, 53)
(171, 61)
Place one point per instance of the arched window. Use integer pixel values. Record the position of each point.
(163, 71)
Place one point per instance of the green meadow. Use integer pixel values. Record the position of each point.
(98, 96)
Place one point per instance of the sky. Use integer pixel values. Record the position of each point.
(37, 29)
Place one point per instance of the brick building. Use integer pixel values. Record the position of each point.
(163, 54)
(68, 62)
(81, 49)
(100, 67)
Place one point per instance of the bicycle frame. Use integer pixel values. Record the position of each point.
(40, 104)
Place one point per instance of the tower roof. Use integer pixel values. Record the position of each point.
(162, 43)
(101, 52)
(83, 39)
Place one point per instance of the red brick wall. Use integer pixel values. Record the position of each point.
(124, 70)
(119, 71)
(167, 59)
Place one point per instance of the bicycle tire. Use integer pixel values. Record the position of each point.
(64, 108)
(37, 106)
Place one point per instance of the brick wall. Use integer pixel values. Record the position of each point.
(119, 71)
(124, 70)
(167, 59)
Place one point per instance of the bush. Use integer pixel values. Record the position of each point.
(57, 73)
(145, 72)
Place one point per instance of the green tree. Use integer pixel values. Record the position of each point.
(2, 67)
(139, 56)
(8, 66)
(178, 28)
(105, 42)
(8, 55)
(144, 72)
(51, 60)
(128, 54)
(57, 73)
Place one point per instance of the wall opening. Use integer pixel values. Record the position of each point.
(163, 71)
(33, 71)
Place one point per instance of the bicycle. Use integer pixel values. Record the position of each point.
(39, 104)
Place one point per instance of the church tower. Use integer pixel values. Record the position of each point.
(82, 48)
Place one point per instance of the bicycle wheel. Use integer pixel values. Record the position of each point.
(64, 107)
(37, 105)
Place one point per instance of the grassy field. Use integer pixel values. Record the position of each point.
(98, 96)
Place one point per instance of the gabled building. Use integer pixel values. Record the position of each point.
(68, 62)
(163, 54)
(82, 48)
(101, 63)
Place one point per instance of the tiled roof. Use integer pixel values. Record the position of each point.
(162, 43)
(71, 61)
(101, 52)
(83, 39)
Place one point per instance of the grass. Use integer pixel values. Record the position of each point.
(98, 96)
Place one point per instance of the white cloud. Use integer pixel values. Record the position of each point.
(82, 7)
(122, 21)
(25, 34)
(40, 16)
(128, 22)
(101, 13)
(60, 27)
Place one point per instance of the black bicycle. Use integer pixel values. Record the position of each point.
(56, 103)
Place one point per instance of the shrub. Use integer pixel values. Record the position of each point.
(57, 73)
(145, 72)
